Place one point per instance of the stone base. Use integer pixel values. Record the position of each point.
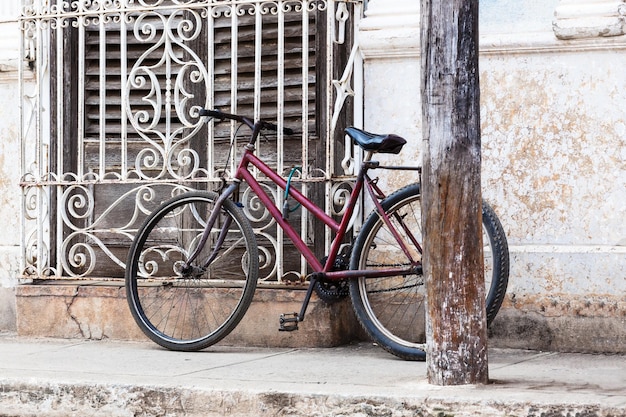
(99, 311)
(583, 324)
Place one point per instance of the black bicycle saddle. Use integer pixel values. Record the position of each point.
(376, 143)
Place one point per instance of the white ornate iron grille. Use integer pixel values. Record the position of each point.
(110, 124)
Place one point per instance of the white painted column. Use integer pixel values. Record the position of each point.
(391, 29)
(574, 19)
(389, 38)
(10, 39)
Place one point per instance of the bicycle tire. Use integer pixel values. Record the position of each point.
(191, 311)
(392, 309)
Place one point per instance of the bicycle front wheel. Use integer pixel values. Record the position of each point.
(190, 307)
(392, 309)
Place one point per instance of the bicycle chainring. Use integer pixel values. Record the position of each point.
(333, 291)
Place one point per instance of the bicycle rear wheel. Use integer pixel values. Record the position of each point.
(193, 308)
(392, 309)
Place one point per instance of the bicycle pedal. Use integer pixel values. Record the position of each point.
(289, 322)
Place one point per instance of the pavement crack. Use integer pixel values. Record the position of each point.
(527, 359)
(241, 362)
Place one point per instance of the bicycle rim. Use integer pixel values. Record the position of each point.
(393, 309)
(194, 308)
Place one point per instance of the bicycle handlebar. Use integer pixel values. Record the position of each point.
(221, 116)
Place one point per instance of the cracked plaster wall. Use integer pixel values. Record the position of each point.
(9, 175)
(554, 152)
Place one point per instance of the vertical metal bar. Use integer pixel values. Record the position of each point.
(304, 146)
(358, 75)
(81, 98)
(210, 23)
(305, 90)
(330, 148)
(103, 98)
(234, 33)
(258, 53)
(123, 96)
(330, 23)
(60, 128)
(169, 140)
(41, 149)
(280, 148)
(280, 107)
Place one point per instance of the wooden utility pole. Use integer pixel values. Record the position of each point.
(451, 199)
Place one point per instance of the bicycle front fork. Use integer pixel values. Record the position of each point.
(207, 230)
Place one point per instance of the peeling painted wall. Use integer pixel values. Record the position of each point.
(554, 163)
(554, 134)
(10, 203)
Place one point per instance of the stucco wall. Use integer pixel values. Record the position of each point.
(554, 161)
(9, 174)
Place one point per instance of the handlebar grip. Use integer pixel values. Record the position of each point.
(212, 113)
(272, 126)
(216, 114)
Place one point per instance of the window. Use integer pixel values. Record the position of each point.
(125, 87)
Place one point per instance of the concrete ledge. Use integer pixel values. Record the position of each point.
(61, 400)
(99, 311)
(85, 379)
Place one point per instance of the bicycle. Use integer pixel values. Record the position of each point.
(193, 266)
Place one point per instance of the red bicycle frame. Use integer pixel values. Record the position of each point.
(322, 271)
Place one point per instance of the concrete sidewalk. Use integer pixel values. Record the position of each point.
(52, 377)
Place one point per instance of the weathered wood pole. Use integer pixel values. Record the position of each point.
(451, 198)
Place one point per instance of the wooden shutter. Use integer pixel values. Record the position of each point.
(110, 119)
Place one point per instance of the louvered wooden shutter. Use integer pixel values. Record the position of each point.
(110, 119)
(293, 94)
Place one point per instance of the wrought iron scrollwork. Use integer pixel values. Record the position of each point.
(66, 231)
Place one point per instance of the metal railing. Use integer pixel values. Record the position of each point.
(110, 124)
